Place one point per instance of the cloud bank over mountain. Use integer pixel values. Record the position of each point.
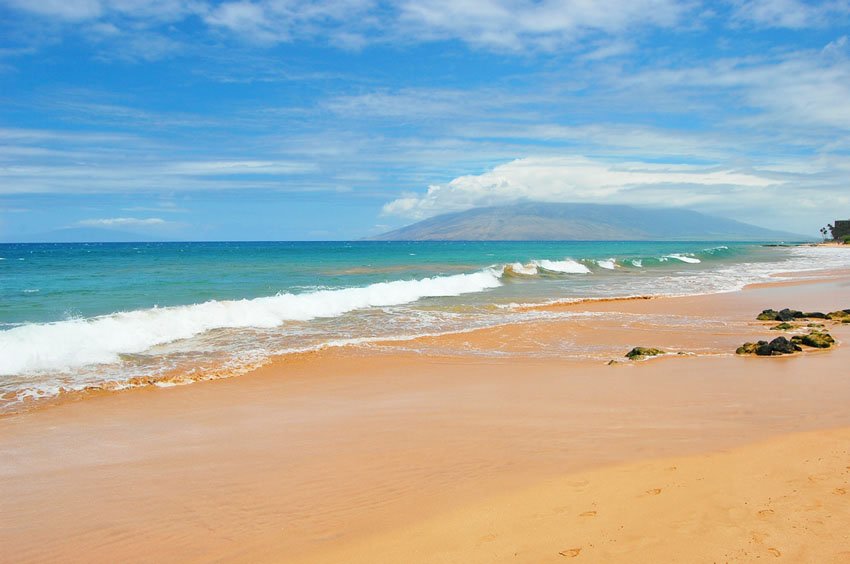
(579, 179)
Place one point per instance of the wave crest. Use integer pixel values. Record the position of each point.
(684, 258)
(566, 266)
(78, 342)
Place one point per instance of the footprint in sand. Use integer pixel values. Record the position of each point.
(765, 512)
(758, 537)
(839, 491)
(570, 552)
(588, 514)
(774, 551)
(654, 491)
(487, 538)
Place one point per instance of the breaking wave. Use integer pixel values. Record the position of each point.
(608, 264)
(78, 342)
(520, 269)
(684, 258)
(566, 266)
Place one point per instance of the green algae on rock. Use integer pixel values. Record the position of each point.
(641, 352)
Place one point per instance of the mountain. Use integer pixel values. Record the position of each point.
(532, 221)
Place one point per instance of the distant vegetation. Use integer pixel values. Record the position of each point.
(840, 232)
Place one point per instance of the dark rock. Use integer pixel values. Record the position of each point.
(818, 340)
(838, 315)
(784, 346)
(789, 315)
(764, 350)
(782, 327)
(815, 315)
(778, 346)
(639, 352)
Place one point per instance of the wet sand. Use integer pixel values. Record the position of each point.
(384, 455)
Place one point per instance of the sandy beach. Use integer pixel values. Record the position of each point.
(486, 446)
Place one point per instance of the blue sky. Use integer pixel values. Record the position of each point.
(337, 119)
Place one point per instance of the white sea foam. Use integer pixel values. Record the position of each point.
(523, 269)
(79, 342)
(637, 262)
(684, 258)
(608, 264)
(566, 266)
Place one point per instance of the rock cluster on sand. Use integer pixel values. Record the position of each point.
(817, 337)
(842, 315)
(788, 315)
(638, 353)
(778, 346)
(792, 314)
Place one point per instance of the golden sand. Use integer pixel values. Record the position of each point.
(786, 498)
(385, 455)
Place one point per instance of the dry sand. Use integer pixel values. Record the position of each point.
(363, 455)
(786, 498)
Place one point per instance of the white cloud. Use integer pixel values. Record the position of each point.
(139, 46)
(506, 25)
(224, 168)
(71, 10)
(248, 19)
(799, 89)
(133, 175)
(417, 103)
(603, 29)
(793, 14)
(122, 222)
(163, 10)
(543, 24)
(580, 179)
(275, 21)
(80, 10)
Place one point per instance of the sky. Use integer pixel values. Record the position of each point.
(340, 119)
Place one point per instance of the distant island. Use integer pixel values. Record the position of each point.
(536, 221)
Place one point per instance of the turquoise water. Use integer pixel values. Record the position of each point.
(77, 315)
(51, 282)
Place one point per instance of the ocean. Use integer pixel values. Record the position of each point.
(114, 315)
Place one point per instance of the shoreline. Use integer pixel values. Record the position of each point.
(179, 378)
(335, 450)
